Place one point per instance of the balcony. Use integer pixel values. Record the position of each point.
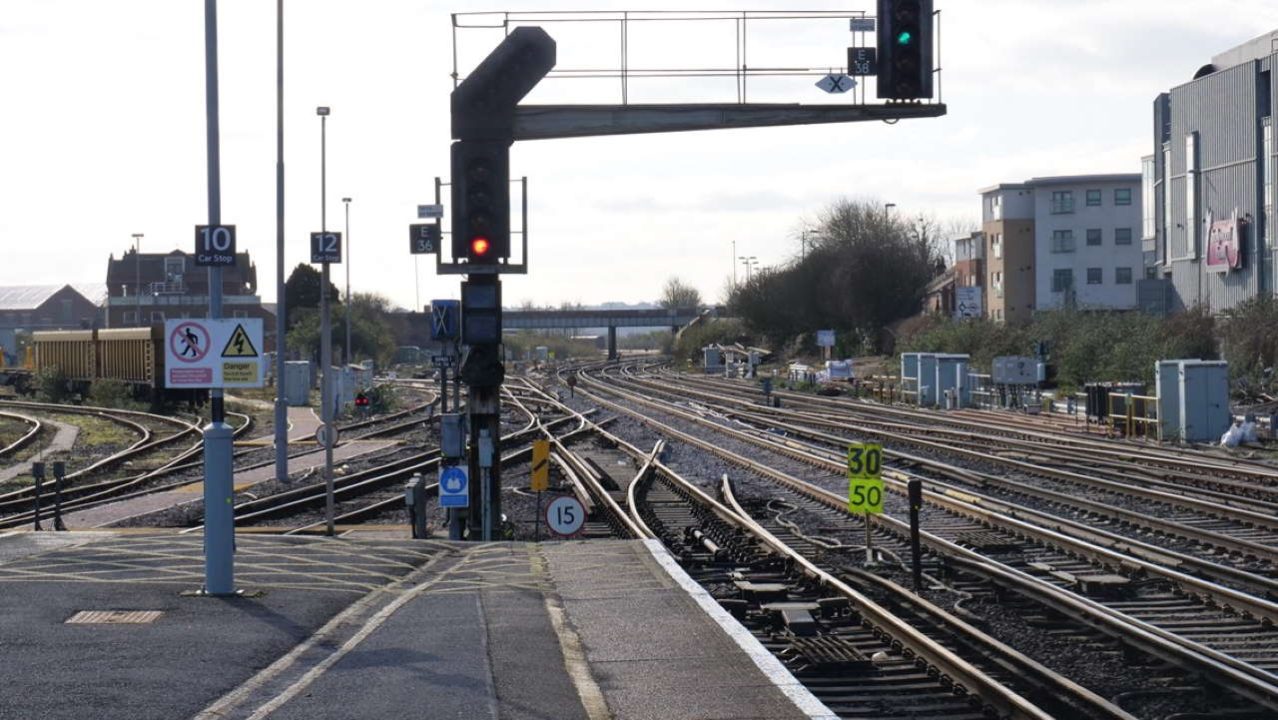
(176, 287)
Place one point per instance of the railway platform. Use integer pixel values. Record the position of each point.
(105, 623)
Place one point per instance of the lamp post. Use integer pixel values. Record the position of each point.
(347, 259)
(734, 265)
(887, 208)
(281, 311)
(137, 277)
(326, 330)
(749, 263)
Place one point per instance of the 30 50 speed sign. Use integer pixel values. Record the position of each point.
(865, 483)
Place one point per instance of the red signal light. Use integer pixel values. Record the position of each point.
(479, 246)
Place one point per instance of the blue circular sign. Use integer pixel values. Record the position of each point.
(452, 480)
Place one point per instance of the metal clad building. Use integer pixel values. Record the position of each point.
(1214, 161)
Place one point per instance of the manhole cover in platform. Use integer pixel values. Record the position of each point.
(114, 617)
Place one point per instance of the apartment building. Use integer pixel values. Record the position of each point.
(1055, 242)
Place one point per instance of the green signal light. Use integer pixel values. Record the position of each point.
(904, 37)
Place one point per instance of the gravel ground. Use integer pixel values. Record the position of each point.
(1097, 664)
(1118, 526)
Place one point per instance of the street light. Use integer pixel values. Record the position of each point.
(749, 263)
(887, 208)
(137, 280)
(326, 330)
(734, 265)
(281, 307)
(347, 259)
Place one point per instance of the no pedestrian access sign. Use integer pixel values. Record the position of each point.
(213, 353)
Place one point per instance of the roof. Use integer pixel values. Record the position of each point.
(1256, 48)
(939, 282)
(1063, 180)
(30, 297)
(95, 293)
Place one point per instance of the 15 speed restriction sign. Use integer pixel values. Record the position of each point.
(865, 486)
(565, 516)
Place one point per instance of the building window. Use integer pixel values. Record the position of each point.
(1062, 241)
(1062, 202)
(1151, 273)
(996, 207)
(173, 268)
(1147, 198)
(1062, 280)
(1122, 276)
(1093, 198)
(1267, 209)
(1094, 276)
(1167, 203)
(1093, 236)
(240, 314)
(997, 245)
(1191, 193)
(1122, 236)
(1123, 196)
(157, 316)
(129, 317)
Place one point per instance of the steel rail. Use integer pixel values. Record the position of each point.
(1234, 492)
(587, 478)
(27, 438)
(1165, 455)
(1043, 675)
(1254, 683)
(1228, 512)
(959, 671)
(1221, 595)
(85, 496)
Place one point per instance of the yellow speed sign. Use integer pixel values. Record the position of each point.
(865, 486)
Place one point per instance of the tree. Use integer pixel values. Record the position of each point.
(864, 269)
(302, 290)
(371, 334)
(676, 294)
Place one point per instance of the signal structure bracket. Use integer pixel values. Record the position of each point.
(444, 267)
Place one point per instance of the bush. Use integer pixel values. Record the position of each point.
(52, 385)
(382, 398)
(1083, 346)
(1249, 336)
(113, 394)
(725, 332)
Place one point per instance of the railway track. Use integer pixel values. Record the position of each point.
(84, 489)
(1197, 467)
(26, 438)
(372, 494)
(1203, 628)
(854, 654)
(1242, 539)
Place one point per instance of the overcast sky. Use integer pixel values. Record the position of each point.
(102, 132)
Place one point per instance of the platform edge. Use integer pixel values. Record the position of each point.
(768, 664)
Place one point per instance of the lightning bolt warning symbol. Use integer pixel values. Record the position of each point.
(239, 345)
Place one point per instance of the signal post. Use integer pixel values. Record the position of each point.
(486, 121)
(483, 118)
